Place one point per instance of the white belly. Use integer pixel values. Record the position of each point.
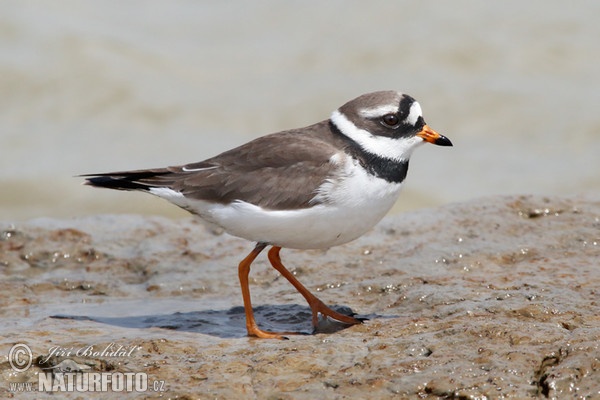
(314, 228)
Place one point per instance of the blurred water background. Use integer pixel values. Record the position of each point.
(98, 86)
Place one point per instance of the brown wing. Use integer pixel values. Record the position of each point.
(278, 171)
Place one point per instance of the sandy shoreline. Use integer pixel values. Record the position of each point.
(495, 297)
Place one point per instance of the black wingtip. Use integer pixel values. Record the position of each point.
(127, 180)
(113, 182)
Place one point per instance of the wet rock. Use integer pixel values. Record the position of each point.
(493, 298)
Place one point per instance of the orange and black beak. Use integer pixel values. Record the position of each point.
(431, 136)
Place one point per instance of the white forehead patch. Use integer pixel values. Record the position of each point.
(378, 111)
(414, 114)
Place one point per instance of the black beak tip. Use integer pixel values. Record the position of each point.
(443, 141)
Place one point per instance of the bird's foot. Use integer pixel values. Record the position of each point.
(259, 333)
(318, 307)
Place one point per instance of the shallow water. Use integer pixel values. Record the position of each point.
(101, 86)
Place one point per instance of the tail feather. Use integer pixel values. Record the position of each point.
(134, 180)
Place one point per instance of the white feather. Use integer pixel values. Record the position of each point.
(169, 194)
(186, 169)
(379, 111)
(414, 113)
(398, 149)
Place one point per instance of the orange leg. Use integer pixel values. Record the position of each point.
(243, 272)
(316, 305)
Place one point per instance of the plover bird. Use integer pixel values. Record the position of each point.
(309, 188)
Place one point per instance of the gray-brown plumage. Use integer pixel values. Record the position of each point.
(278, 171)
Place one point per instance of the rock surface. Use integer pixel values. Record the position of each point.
(495, 298)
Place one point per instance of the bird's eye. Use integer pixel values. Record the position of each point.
(390, 119)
